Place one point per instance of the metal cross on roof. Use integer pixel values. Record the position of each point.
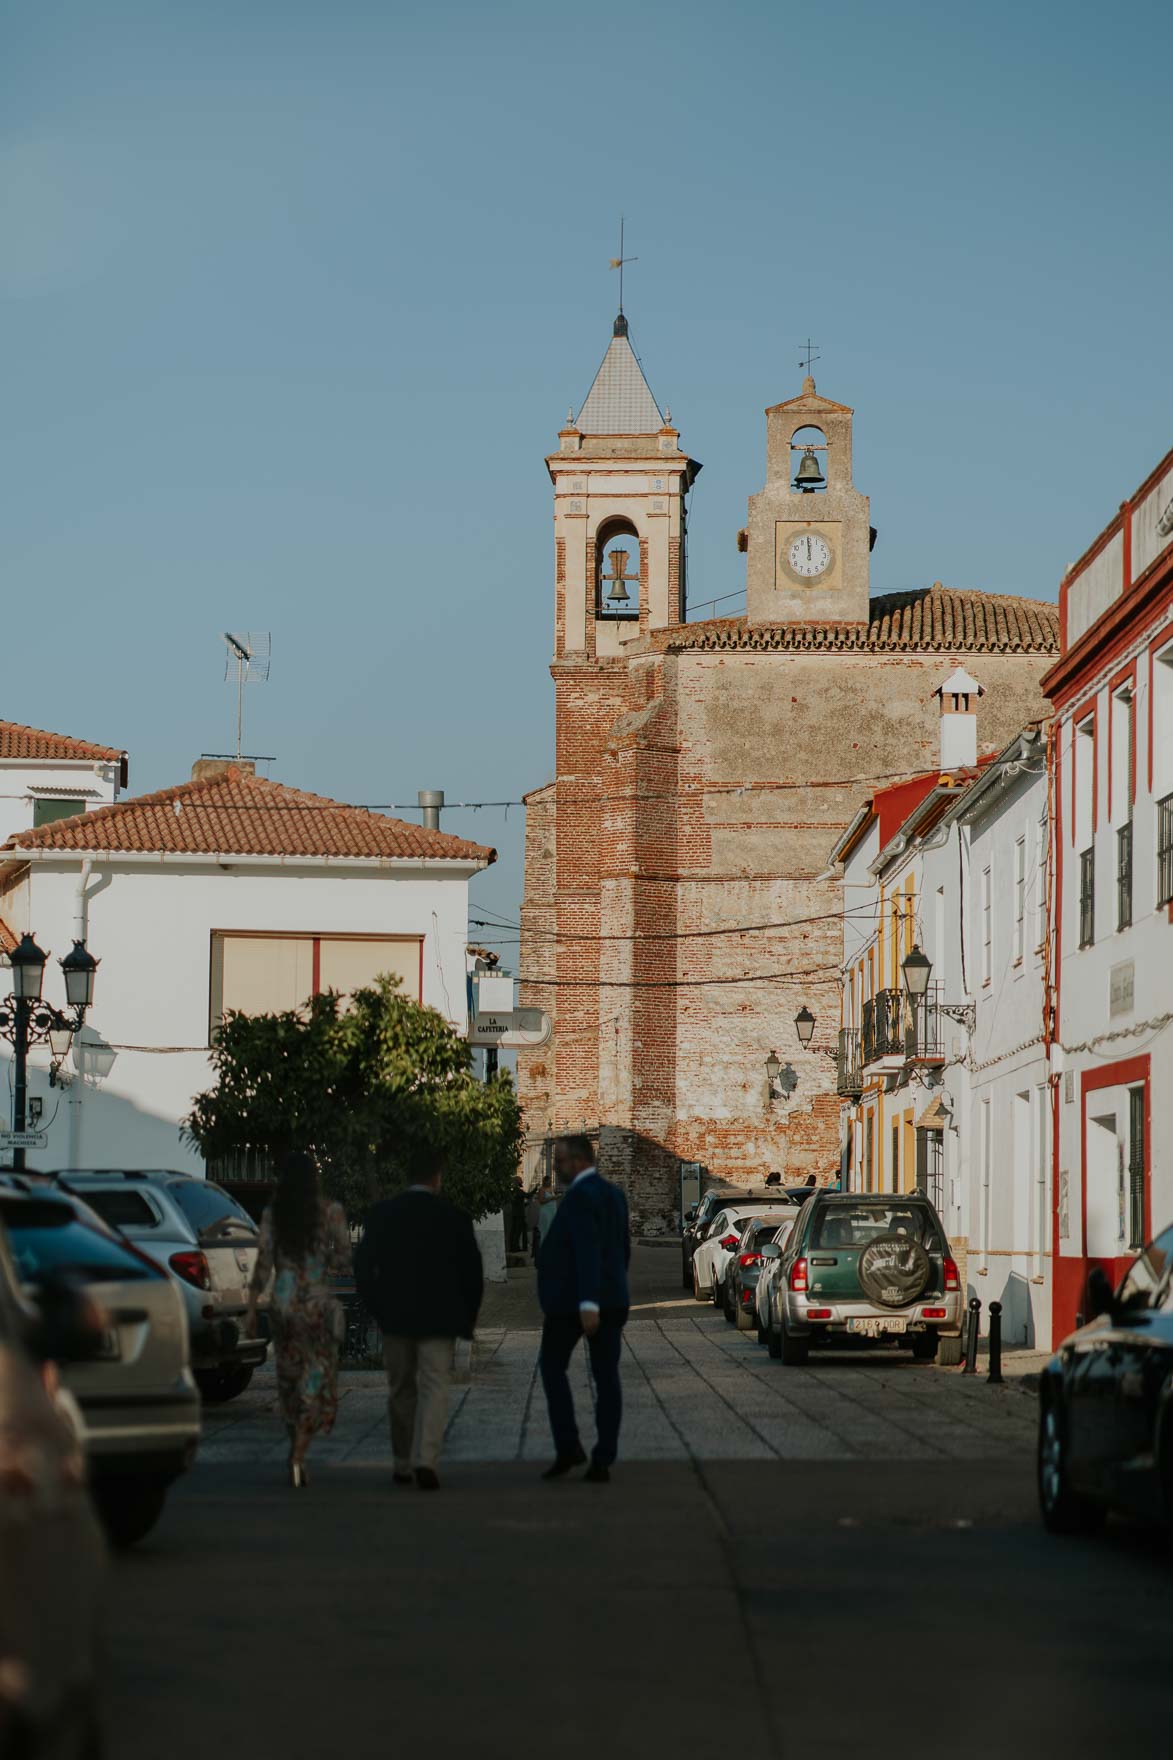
(809, 356)
(618, 262)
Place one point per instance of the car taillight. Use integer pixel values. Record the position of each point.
(744, 1259)
(193, 1268)
(952, 1276)
(730, 1241)
(798, 1274)
(933, 1313)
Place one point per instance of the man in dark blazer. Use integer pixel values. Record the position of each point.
(418, 1269)
(582, 1286)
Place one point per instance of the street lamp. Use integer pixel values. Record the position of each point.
(773, 1069)
(917, 970)
(79, 969)
(804, 1025)
(25, 1020)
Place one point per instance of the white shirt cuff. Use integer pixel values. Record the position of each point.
(588, 1307)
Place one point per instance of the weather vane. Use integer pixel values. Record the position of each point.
(618, 262)
(809, 356)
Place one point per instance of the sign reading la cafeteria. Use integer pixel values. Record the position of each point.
(511, 1028)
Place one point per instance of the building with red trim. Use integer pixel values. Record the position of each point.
(1111, 770)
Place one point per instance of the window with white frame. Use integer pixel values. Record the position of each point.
(1041, 853)
(1019, 900)
(986, 1165)
(987, 925)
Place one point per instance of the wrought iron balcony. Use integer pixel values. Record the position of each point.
(894, 1026)
(1087, 897)
(849, 1065)
(1165, 850)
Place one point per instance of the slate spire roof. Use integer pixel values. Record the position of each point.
(239, 814)
(620, 400)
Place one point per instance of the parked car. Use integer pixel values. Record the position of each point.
(861, 1267)
(1106, 1403)
(51, 1552)
(720, 1238)
(197, 1231)
(744, 1268)
(139, 1404)
(696, 1223)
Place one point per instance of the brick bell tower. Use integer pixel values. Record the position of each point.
(620, 481)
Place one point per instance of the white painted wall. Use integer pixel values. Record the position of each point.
(151, 928)
(22, 780)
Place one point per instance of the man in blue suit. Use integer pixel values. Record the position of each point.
(582, 1286)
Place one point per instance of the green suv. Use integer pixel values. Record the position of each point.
(862, 1266)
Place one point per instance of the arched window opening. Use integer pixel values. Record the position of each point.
(808, 460)
(617, 573)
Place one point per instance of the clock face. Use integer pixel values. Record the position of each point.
(809, 555)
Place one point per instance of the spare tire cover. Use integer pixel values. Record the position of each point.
(894, 1270)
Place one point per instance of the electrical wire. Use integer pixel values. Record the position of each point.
(550, 938)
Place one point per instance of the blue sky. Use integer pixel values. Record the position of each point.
(295, 298)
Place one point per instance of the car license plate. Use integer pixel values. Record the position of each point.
(877, 1328)
(109, 1350)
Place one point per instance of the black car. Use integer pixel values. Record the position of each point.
(1106, 1403)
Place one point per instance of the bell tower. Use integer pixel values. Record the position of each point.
(808, 535)
(620, 481)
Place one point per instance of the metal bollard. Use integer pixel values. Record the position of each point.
(971, 1338)
(995, 1375)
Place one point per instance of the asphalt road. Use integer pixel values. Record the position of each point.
(880, 1606)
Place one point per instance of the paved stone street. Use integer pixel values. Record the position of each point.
(844, 1557)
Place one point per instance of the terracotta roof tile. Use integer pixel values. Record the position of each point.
(932, 619)
(18, 741)
(235, 813)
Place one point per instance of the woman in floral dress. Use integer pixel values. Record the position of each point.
(303, 1239)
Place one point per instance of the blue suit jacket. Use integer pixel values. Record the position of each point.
(585, 1253)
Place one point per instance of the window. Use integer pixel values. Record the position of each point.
(1165, 850)
(1084, 760)
(1087, 897)
(1019, 900)
(895, 1157)
(854, 1224)
(987, 1166)
(1041, 854)
(618, 573)
(211, 1211)
(1123, 755)
(268, 974)
(123, 1209)
(987, 898)
(47, 1239)
(1136, 1160)
(45, 812)
(869, 1152)
(1124, 874)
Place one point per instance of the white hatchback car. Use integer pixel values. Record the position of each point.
(722, 1237)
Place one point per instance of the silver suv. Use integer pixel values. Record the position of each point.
(140, 1409)
(197, 1231)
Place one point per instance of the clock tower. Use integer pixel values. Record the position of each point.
(808, 537)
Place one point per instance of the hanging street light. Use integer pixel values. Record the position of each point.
(79, 969)
(28, 969)
(773, 1069)
(804, 1025)
(917, 968)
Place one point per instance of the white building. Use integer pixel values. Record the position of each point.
(1112, 690)
(48, 776)
(949, 1095)
(228, 892)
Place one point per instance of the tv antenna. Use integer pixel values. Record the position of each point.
(248, 663)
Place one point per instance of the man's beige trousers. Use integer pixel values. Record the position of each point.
(419, 1374)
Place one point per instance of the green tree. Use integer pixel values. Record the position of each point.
(370, 1088)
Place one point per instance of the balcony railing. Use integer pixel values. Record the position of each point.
(1087, 897)
(849, 1064)
(1124, 876)
(894, 1027)
(1165, 850)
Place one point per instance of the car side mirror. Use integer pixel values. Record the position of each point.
(771, 1250)
(1100, 1296)
(690, 1215)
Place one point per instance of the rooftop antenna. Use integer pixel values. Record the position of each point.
(618, 262)
(248, 662)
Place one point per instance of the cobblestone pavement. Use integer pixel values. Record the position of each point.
(694, 1389)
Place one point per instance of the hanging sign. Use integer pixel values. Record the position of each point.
(24, 1140)
(513, 1029)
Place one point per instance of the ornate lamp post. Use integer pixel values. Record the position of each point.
(25, 1020)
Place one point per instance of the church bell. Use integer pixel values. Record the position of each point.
(618, 597)
(809, 476)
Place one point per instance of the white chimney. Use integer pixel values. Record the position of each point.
(959, 695)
